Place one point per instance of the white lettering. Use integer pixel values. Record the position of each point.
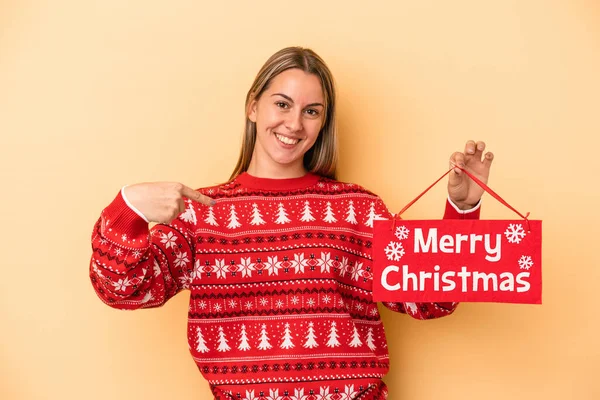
(422, 276)
(454, 244)
(451, 285)
(485, 277)
(508, 284)
(431, 241)
(408, 275)
(384, 281)
(470, 281)
(495, 252)
(474, 239)
(464, 275)
(526, 285)
(459, 239)
(447, 244)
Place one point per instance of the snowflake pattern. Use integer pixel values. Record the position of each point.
(168, 240)
(246, 267)
(525, 262)
(122, 284)
(220, 268)
(273, 266)
(181, 260)
(325, 393)
(185, 281)
(344, 266)
(325, 262)
(514, 233)
(402, 232)
(288, 262)
(394, 251)
(300, 264)
(357, 268)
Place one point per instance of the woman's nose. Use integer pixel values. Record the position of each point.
(294, 121)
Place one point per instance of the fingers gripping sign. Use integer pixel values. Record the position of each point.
(462, 190)
(162, 202)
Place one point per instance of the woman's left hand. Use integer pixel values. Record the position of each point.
(463, 191)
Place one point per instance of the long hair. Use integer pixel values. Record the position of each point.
(322, 157)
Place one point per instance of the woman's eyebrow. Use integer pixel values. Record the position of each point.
(288, 98)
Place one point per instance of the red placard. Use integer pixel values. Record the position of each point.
(458, 260)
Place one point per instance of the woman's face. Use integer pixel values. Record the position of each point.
(288, 117)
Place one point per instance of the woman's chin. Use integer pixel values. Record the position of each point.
(289, 163)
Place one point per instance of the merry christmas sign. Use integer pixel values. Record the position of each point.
(458, 260)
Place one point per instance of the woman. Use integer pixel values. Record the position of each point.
(278, 260)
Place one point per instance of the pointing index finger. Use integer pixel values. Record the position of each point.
(197, 196)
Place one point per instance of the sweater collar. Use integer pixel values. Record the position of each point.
(254, 182)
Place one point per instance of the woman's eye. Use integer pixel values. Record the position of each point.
(281, 104)
(312, 112)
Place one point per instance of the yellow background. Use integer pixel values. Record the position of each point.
(98, 94)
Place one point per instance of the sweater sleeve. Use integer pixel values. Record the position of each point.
(133, 266)
(435, 310)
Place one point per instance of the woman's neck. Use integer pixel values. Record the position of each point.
(275, 171)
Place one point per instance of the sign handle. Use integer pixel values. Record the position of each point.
(479, 182)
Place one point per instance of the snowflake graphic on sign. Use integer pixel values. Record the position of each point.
(525, 262)
(402, 232)
(394, 251)
(514, 233)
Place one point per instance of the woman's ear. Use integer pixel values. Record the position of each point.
(251, 111)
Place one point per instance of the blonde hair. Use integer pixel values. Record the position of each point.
(322, 157)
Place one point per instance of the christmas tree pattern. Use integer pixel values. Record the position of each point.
(210, 217)
(333, 336)
(287, 338)
(306, 213)
(282, 215)
(372, 216)
(189, 215)
(310, 343)
(329, 217)
(256, 216)
(355, 339)
(351, 213)
(223, 346)
(411, 307)
(200, 342)
(233, 219)
(264, 339)
(370, 339)
(243, 340)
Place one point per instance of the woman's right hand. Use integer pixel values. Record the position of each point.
(162, 202)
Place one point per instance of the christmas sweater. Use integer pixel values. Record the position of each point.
(280, 274)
